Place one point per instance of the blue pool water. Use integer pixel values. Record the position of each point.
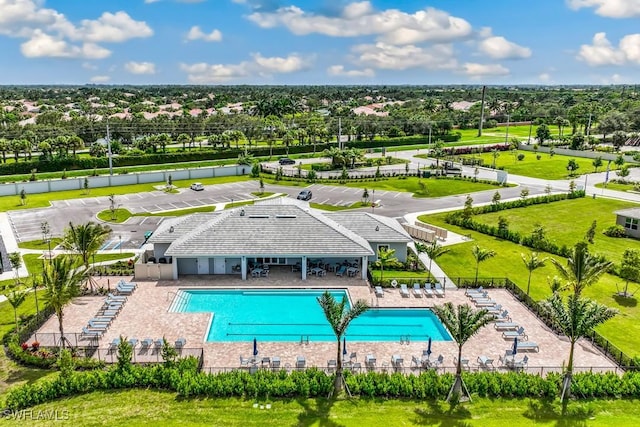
(288, 315)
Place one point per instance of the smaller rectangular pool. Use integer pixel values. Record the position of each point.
(289, 315)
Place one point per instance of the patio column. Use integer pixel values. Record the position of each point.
(174, 268)
(243, 267)
(363, 270)
(303, 267)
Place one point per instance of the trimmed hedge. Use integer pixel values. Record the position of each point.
(187, 382)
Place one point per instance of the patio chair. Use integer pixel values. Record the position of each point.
(379, 291)
(340, 272)
(417, 362)
(133, 342)
(114, 344)
(301, 362)
(157, 344)
(487, 303)
(477, 298)
(332, 365)
(397, 362)
(275, 362)
(464, 362)
(404, 291)
(477, 290)
(439, 362)
(113, 297)
(427, 290)
(417, 291)
(353, 357)
(520, 364)
(439, 290)
(180, 343)
(520, 334)
(502, 316)
(485, 362)
(370, 361)
(244, 362)
(100, 326)
(506, 326)
(528, 345)
(91, 332)
(146, 344)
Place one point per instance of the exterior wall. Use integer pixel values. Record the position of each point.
(621, 220)
(187, 265)
(116, 180)
(400, 248)
(159, 249)
(231, 262)
(153, 271)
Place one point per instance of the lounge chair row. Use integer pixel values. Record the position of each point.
(417, 290)
(147, 343)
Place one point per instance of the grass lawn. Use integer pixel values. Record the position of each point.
(262, 194)
(144, 407)
(118, 216)
(40, 245)
(623, 330)
(566, 222)
(616, 186)
(546, 168)
(424, 187)
(334, 208)
(44, 199)
(33, 262)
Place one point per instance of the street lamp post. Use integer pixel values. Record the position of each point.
(120, 245)
(373, 201)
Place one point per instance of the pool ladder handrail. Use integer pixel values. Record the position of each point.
(405, 339)
(303, 340)
(176, 294)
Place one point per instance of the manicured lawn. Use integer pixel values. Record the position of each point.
(44, 199)
(546, 168)
(424, 187)
(623, 330)
(143, 407)
(118, 216)
(262, 194)
(33, 262)
(616, 186)
(334, 208)
(566, 223)
(40, 245)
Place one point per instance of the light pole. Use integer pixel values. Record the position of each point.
(120, 245)
(46, 236)
(373, 201)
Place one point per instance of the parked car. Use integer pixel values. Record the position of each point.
(197, 186)
(304, 195)
(286, 161)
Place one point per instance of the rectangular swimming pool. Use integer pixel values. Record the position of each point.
(292, 315)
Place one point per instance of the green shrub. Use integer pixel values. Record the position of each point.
(615, 231)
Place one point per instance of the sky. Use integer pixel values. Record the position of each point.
(297, 42)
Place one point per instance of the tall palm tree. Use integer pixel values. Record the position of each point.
(582, 269)
(339, 316)
(85, 240)
(15, 299)
(385, 257)
(61, 280)
(433, 251)
(481, 255)
(462, 322)
(575, 319)
(532, 263)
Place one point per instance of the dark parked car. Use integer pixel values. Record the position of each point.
(286, 161)
(304, 195)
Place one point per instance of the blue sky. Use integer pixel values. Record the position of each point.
(319, 42)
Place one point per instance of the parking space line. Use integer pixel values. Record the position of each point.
(396, 195)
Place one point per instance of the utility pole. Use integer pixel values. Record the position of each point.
(109, 151)
(506, 135)
(530, 129)
(484, 93)
(588, 129)
(340, 133)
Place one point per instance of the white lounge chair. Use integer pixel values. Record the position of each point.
(379, 291)
(301, 362)
(114, 344)
(509, 335)
(427, 290)
(146, 344)
(100, 326)
(439, 290)
(417, 291)
(485, 362)
(370, 361)
(528, 345)
(486, 304)
(91, 332)
(404, 291)
(506, 326)
(180, 343)
(477, 290)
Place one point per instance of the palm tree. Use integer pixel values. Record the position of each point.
(61, 281)
(532, 262)
(433, 251)
(15, 298)
(582, 269)
(85, 240)
(339, 316)
(480, 255)
(385, 257)
(462, 322)
(575, 319)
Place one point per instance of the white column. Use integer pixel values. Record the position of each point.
(243, 267)
(174, 265)
(303, 267)
(364, 267)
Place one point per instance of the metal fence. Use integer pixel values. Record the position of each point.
(73, 340)
(146, 355)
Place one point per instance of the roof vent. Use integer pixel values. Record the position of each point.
(377, 228)
(258, 216)
(286, 216)
(242, 212)
(171, 229)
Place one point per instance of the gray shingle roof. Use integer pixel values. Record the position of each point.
(181, 226)
(268, 230)
(364, 224)
(629, 212)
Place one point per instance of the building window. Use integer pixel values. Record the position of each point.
(383, 247)
(631, 223)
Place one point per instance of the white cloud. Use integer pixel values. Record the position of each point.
(112, 27)
(276, 64)
(89, 66)
(602, 52)
(358, 19)
(474, 70)
(100, 79)
(140, 67)
(44, 45)
(195, 33)
(609, 8)
(386, 56)
(203, 73)
(544, 77)
(500, 48)
(340, 71)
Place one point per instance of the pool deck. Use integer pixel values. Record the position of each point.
(146, 315)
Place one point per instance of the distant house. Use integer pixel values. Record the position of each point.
(629, 219)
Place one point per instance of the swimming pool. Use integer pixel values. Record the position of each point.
(292, 315)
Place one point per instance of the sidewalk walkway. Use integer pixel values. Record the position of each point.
(436, 271)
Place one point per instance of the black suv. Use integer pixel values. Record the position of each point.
(286, 161)
(304, 195)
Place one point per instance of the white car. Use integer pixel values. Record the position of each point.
(197, 186)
